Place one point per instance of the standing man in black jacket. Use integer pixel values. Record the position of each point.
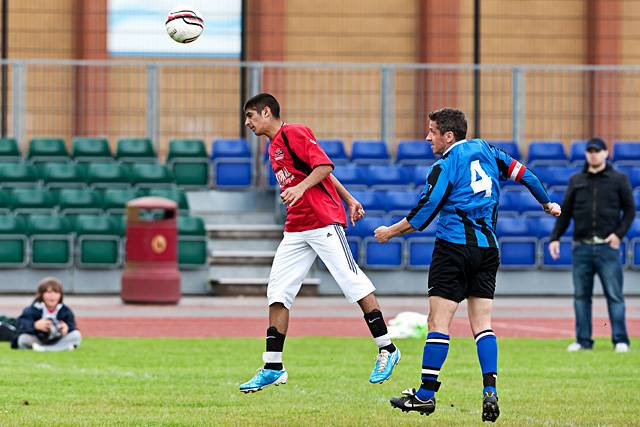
(595, 199)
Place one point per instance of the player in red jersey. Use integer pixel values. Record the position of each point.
(314, 227)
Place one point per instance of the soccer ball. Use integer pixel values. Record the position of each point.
(184, 24)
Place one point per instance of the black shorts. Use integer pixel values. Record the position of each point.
(461, 271)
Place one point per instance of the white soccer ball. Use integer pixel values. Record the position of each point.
(184, 24)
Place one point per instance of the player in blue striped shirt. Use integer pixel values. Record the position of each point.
(463, 187)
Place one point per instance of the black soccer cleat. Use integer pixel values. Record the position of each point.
(490, 410)
(410, 402)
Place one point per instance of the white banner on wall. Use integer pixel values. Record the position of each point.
(137, 28)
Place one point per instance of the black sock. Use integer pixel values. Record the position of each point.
(275, 343)
(378, 329)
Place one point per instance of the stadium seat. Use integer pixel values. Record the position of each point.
(334, 148)
(136, 150)
(634, 244)
(383, 177)
(636, 198)
(9, 151)
(632, 172)
(566, 251)
(576, 152)
(148, 175)
(350, 175)
(91, 150)
(509, 147)
(513, 227)
(101, 175)
(232, 163)
(555, 176)
(51, 241)
(75, 201)
(14, 243)
(556, 196)
(383, 256)
(518, 252)
(420, 250)
(399, 202)
(230, 148)
(415, 152)
(18, 175)
(420, 175)
(187, 160)
(47, 150)
(368, 152)
(63, 175)
(546, 153)
(626, 152)
(31, 200)
(372, 201)
(176, 194)
(192, 242)
(518, 200)
(5, 197)
(365, 227)
(114, 200)
(97, 242)
(543, 226)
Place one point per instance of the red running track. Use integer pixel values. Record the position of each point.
(194, 327)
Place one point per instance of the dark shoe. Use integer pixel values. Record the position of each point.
(410, 402)
(490, 410)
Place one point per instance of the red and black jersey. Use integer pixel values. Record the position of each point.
(293, 154)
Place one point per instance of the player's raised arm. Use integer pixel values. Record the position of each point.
(432, 198)
(512, 169)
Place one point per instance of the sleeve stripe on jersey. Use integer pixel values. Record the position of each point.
(445, 196)
(516, 170)
(432, 179)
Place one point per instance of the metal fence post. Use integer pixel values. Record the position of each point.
(387, 103)
(153, 105)
(18, 103)
(519, 107)
(254, 87)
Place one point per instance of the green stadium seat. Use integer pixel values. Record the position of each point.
(100, 175)
(51, 241)
(31, 200)
(138, 150)
(114, 200)
(147, 175)
(18, 175)
(63, 175)
(189, 162)
(176, 194)
(9, 150)
(47, 150)
(97, 242)
(192, 242)
(91, 149)
(120, 222)
(76, 201)
(5, 197)
(14, 242)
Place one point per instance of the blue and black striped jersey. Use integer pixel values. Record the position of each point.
(463, 186)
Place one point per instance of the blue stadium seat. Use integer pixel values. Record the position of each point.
(386, 177)
(513, 227)
(232, 164)
(372, 201)
(383, 255)
(334, 148)
(555, 176)
(546, 152)
(518, 252)
(420, 250)
(626, 152)
(634, 244)
(369, 152)
(519, 200)
(636, 197)
(350, 175)
(510, 147)
(420, 176)
(632, 172)
(556, 196)
(576, 152)
(543, 226)
(365, 227)
(235, 148)
(566, 251)
(414, 152)
(400, 202)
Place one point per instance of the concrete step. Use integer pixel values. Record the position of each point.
(241, 257)
(256, 286)
(240, 218)
(219, 271)
(243, 244)
(244, 231)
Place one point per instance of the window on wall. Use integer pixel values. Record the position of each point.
(137, 28)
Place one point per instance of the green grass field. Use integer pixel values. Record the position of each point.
(188, 382)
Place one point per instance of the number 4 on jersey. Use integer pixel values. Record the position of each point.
(482, 184)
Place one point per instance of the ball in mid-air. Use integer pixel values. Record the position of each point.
(184, 24)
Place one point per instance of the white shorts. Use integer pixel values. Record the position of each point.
(297, 252)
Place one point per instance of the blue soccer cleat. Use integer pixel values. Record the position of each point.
(264, 378)
(385, 362)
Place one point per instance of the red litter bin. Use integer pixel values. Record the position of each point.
(151, 269)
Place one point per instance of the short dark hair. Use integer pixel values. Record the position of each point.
(450, 119)
(262, 100)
